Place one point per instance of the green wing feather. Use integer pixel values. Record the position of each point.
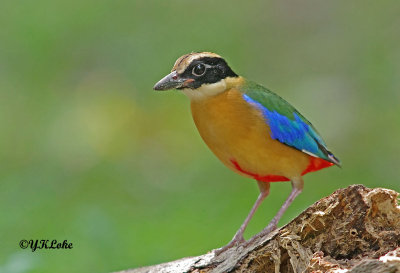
(286, 123)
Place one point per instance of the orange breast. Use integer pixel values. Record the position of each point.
(238, 135)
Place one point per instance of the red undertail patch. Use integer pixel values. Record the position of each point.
(315, 164)
(262, 178)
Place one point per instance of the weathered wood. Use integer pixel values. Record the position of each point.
(353, 230)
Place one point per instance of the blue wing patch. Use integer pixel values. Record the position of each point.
(295, 133)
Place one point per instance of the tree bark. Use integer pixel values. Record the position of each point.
(353, 230)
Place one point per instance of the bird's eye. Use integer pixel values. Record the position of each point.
(199, 70)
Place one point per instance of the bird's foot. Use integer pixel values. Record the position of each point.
(236, 241)
(267, 230)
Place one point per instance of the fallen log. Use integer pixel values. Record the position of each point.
(353, 230)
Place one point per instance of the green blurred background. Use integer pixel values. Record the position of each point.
(89, 153)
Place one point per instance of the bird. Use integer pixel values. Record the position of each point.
(251, 130)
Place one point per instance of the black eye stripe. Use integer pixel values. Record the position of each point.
(216, 69)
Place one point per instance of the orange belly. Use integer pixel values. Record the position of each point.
(238, 135)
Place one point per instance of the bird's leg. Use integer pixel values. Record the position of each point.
(238, 238)
(297, 187)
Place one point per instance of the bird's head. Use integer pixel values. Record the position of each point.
(198, 75)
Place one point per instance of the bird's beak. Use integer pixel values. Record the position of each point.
(171, 81)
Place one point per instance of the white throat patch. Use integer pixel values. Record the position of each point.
(206, 90)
